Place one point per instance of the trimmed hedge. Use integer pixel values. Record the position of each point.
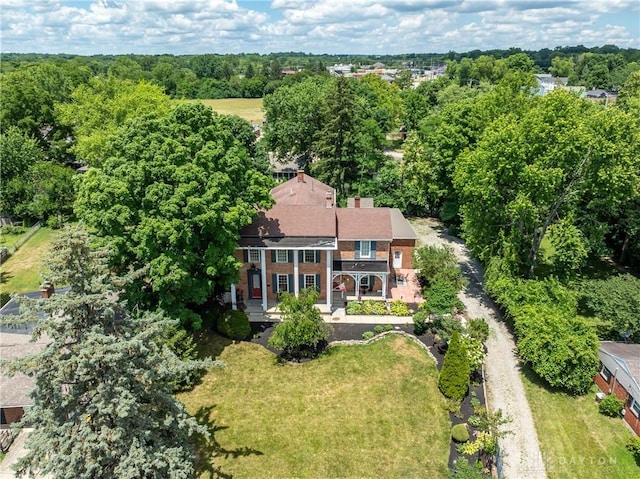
(460, 433)
(234, 325)
(611, 406)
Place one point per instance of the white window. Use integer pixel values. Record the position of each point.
(365, 249)
(254, 256)
(364, 282)
(309, 256)
(605, 373)
(282, 256)
(309, 280)
(635, 407)
(283, 283)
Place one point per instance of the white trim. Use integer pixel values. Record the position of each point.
(329, 279)
(296, 280)
(263, 272)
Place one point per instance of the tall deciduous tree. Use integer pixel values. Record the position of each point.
(103, 406)
(174, 194)
(97, 109)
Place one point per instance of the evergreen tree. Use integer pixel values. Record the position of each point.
(454, 376)
(103, 406)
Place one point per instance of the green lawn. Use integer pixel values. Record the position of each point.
(21, 272)
(248, 108)
(576, 440)
(356, 412)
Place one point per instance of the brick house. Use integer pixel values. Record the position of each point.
(620, 375)
(304, 240)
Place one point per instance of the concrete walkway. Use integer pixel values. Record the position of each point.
(16, 451)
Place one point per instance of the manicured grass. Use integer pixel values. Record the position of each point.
(21, 272)
(248, 108)
(357, 411)
(576, 440)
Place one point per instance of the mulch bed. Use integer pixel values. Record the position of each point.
(260, 333)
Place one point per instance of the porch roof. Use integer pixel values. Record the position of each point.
(289, 242)
(346, 267)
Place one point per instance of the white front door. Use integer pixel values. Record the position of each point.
(397, 259)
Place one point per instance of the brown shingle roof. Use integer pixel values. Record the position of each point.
(293, 220)
(364, 223)
(307, 192)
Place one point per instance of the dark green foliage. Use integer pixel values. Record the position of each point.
(454, 376)
(438, 264)
(378, 328)
(388, 327)
(103, 384)
(302, 330)
(616, 301)
(463, 470)
(234, 325)
(562, 350)
(441, 297)
(445, 326)
(181, 343)
(460, 433)
(174, 194)
(420, 322)
(478, 328)
(611, 406)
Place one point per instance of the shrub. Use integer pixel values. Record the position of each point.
(378, 329)
(388, 327)
(633, 445)
(436, 264)
(54, 222)
(400, 308)
(445, 326)
(442, 297)
(367, 335)
(354, 307)
(460, 433)
(420, 322)
(455, 373)
(478, 329)
(611, 406)
(302, 330)
(234, 325)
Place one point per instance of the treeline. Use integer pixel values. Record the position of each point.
(540, 187)
(253, 75)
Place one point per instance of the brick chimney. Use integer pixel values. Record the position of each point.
(300, 176)
(329, 198)
(46, 290)
(356, 202)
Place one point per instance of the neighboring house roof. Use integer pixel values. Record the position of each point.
(16, 343)
(364, 202)
(293, 220)
(627, 357)
(302, 190)
(400, 227)
(364, 223)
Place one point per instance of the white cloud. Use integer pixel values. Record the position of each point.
(321, 26)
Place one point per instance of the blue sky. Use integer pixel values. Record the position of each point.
(312, 26)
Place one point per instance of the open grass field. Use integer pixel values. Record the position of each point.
(576, 440)
(248, 108)
(356, 412)
(21, 272)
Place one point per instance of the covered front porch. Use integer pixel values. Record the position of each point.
(356, 280)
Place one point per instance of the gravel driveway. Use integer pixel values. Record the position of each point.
(520, 451)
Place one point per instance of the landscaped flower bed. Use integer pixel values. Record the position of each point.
(379, 308)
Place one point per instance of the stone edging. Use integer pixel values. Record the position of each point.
(377, 337)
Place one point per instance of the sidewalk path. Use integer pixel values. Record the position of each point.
(520, 450)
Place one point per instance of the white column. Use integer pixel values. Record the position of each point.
(296, 277)
(384, 286)
(263, 272)
(234, 303)
(329, 278)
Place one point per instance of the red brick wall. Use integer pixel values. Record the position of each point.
(347, 250)
(407, 247)
(621, 393)
(283, 268)
(631, 419)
